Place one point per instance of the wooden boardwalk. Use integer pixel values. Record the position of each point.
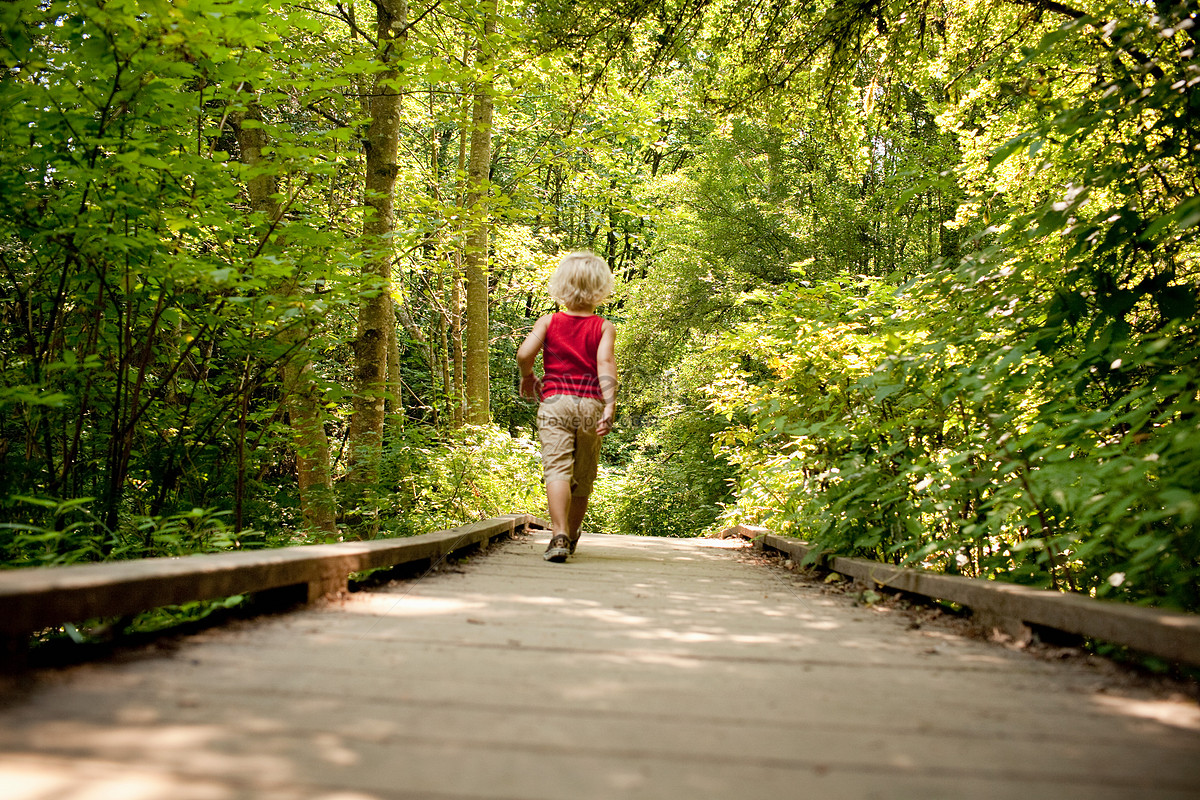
(642, 668)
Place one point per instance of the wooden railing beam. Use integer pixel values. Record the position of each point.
(37, 598)
(1171, 635)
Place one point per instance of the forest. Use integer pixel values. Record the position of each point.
(913, 280)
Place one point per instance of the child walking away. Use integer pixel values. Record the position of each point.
(578, 391)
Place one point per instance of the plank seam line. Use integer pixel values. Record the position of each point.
(598, 714)
(791, 764)
(721, 659)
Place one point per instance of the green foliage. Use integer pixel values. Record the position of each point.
(73, 535)
(799, 378)
(100, 631)
(759, 204)
(608, 492)
(1029, 413)
(432, 482)
(674, 486)
(150, 311)
(925, 274)
(146, 310)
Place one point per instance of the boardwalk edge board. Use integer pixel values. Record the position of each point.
(40, 597)
(1171, 635)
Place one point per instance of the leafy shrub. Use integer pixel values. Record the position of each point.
(603, 505)
(54, 533)
(674, 485)
(1029, 413)
(436, 480)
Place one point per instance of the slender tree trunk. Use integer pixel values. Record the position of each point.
(459, 398)
(317, 501)
(457, 361)
(439, 247)
(478, 410)
(394, 405)
(301, 395)
(375, 313)
(442, 319)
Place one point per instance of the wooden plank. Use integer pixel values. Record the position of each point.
(661, 653)
(1171, 635)
(36, 598)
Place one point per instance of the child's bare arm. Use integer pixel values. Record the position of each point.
(606, 369)
(531, 385)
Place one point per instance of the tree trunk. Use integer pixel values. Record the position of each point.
(439, 247)
(301, 395)
(375, 309)
(441, 319)
(458, 395)
(394, 404)
(457, 362)
(479, 232)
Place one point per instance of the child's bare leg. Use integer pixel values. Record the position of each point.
(575, 518)
(558, 497)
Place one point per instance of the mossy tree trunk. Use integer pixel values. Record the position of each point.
(376, 315)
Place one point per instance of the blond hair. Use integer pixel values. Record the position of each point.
(582, 280)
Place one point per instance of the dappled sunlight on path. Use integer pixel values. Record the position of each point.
(641, 668)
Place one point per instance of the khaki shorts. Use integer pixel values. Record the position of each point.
(570, 446)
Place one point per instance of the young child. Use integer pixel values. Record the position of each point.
(578, 391)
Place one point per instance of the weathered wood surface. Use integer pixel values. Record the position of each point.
(641, 668)
(32, 599)
(1171, 635)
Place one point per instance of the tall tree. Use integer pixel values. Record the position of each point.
(376, 314)
(301, 395)
(478, 376)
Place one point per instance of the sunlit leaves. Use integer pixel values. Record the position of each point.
(1029, 412)
(149, 320)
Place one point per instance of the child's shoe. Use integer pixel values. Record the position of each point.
(558, 549)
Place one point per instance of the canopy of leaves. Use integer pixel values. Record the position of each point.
(913, 280)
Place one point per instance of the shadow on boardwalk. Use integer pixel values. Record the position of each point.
(642, 668)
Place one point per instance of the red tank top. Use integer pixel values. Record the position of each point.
(569, 356)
